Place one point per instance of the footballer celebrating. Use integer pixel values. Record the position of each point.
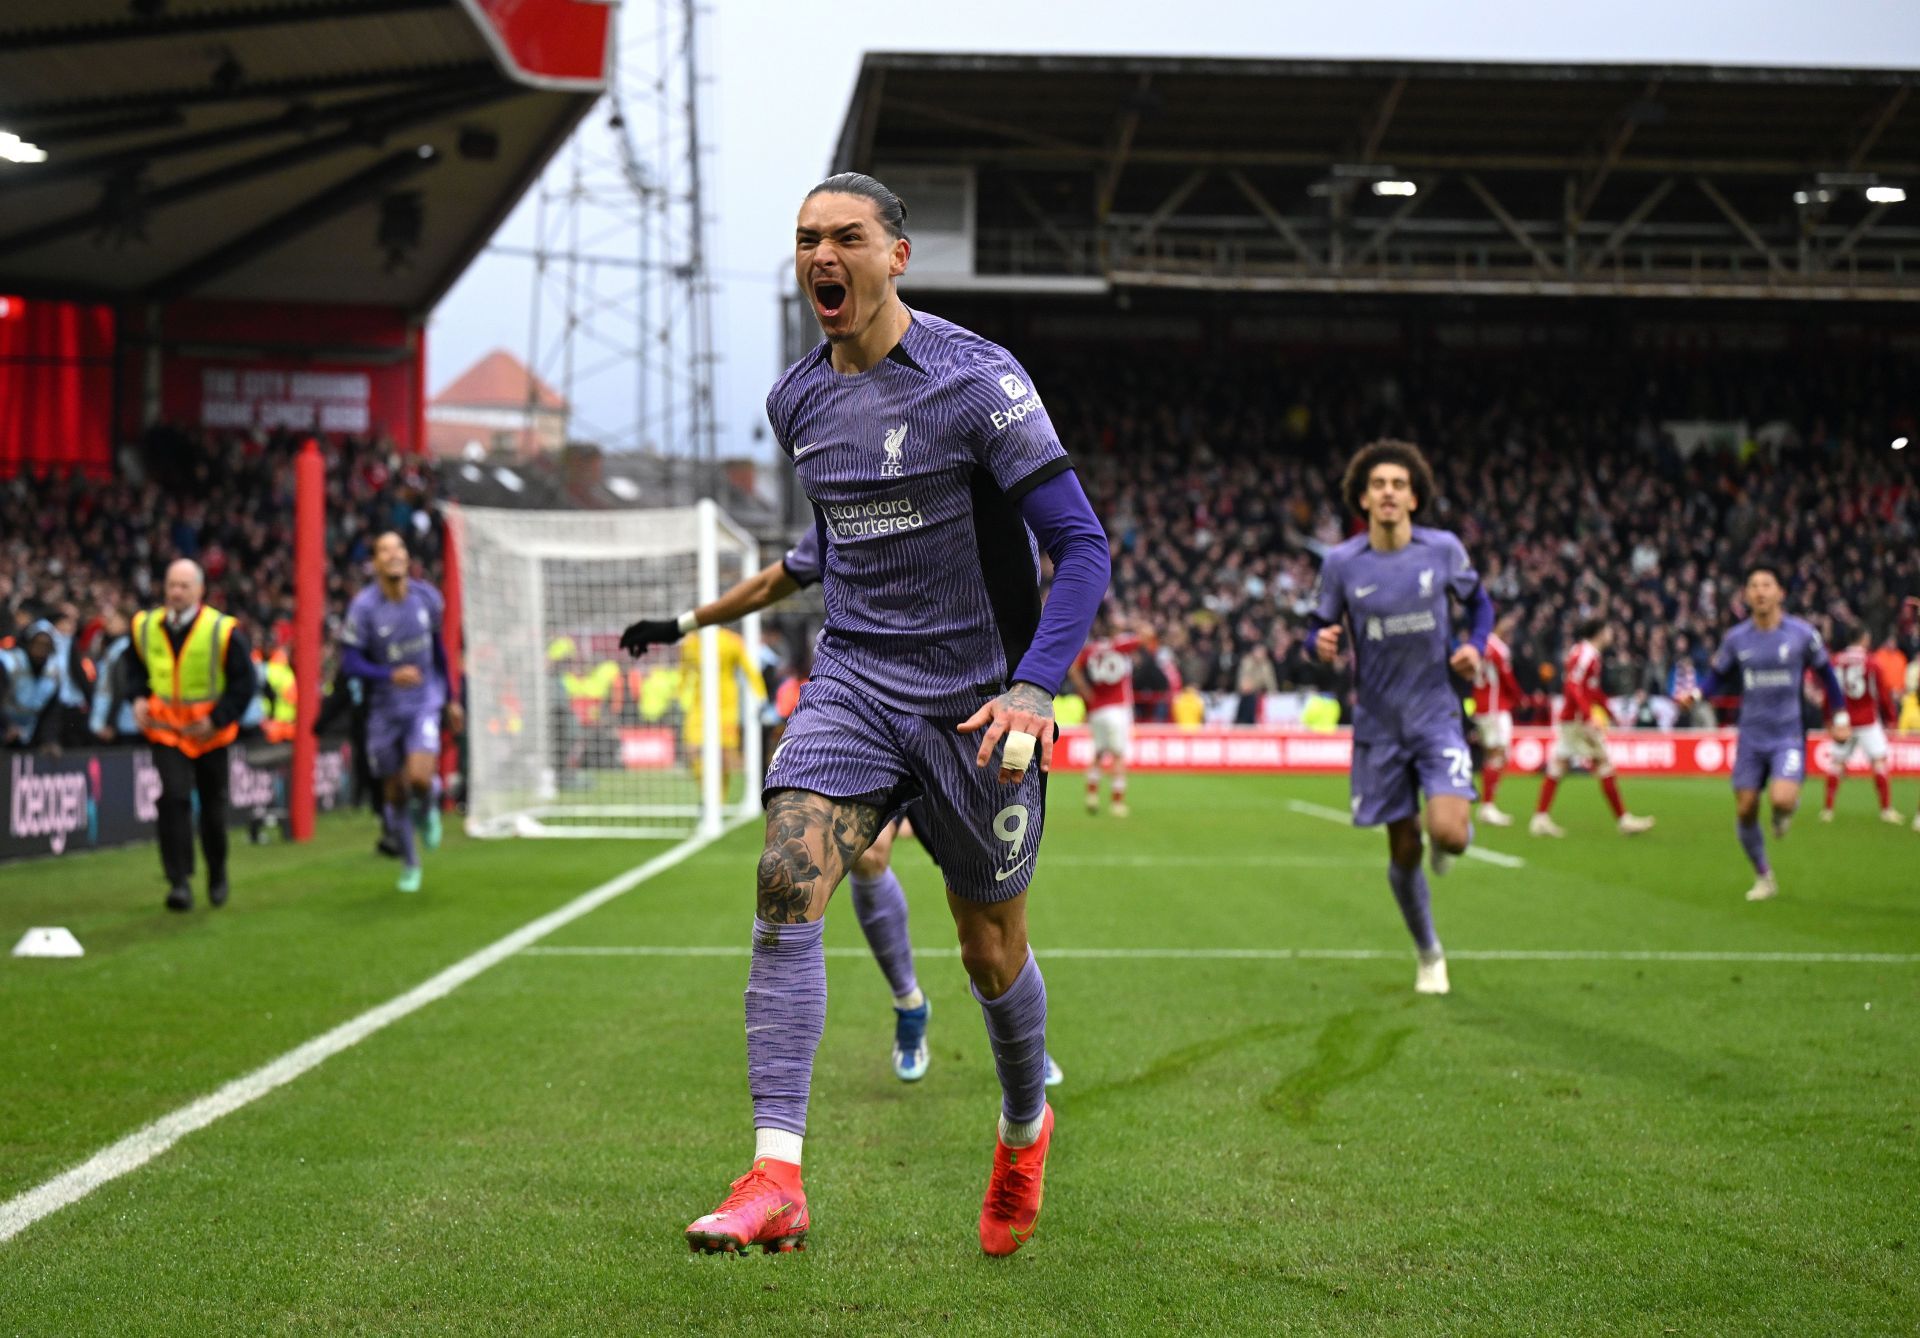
(879, 902)
(932, 467)
(1391, 586)
(392, 640)
(1765, 659)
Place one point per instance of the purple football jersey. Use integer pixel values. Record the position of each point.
(915, 467)
(1767, 668)
(1402, 630)
(396, 632)
(803, 559)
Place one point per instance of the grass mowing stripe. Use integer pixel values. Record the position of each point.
(148, 1142)
(1284, 954)
(1493, 857)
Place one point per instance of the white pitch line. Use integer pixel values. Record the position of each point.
(144, 1144)
(1283, 954)
(1273, 861)
(1494, 857)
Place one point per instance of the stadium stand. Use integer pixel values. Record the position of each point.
(1645, 331)
(1220, 495)
(78, 550)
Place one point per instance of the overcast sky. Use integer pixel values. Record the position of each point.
(782, 74)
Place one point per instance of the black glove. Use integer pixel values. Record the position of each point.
(649, 632)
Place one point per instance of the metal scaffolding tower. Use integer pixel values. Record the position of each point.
(621, 319)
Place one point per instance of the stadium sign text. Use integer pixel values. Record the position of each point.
(1708, 752)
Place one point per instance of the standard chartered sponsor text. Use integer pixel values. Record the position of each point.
(1403, 623)
(889, 515)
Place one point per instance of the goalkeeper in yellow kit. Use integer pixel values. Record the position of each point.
(736, 667)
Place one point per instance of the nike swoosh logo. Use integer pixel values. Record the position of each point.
(1005, 874)
(1364, 591)
(804, 449)
(1022, 1237)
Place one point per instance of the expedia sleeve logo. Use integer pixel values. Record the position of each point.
(1025, 402)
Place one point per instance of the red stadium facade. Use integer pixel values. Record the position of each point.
(253, 240)
(244, 215)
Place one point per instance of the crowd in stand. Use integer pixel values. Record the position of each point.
(1218, 480)
(78, 556)
(1219, 484)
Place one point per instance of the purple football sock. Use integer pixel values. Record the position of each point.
(400, 823)
(425, 800)
(1755, 845)
(880, 904)
(786, 1012)
(1416, 907)
(1017, 1029)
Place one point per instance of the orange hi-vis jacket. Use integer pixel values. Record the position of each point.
(185, 687)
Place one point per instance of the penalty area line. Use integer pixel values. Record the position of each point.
(1280, 954)
(1321, 811)
(144, 1144)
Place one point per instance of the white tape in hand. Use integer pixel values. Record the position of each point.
(1017, 752)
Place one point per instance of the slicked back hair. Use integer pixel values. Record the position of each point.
(890, 208)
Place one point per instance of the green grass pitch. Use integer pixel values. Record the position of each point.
(1581, 1141)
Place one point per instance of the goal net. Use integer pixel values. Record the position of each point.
(567, 734)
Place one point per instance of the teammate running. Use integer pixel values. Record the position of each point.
(392, 639)
(1103, 676)
(927, 456)
(1495, 689)
(1867, 710)
(1765, 659)
(1392, 586)
(1582, 736)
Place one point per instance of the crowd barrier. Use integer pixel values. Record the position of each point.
(94, 798)
(1691, 752)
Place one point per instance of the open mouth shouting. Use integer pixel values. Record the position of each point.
(829, 297)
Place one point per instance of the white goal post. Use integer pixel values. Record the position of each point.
(567, 735)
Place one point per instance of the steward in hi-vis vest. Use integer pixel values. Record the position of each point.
(192, 677)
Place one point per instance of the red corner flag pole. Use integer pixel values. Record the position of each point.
(309, 616)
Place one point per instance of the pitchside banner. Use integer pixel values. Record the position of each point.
(1704, 752)
(108, 797)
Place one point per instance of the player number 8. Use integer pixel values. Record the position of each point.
(1010, 825)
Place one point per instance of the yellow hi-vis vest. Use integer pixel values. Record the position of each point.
(186, 687)
(286, 704)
